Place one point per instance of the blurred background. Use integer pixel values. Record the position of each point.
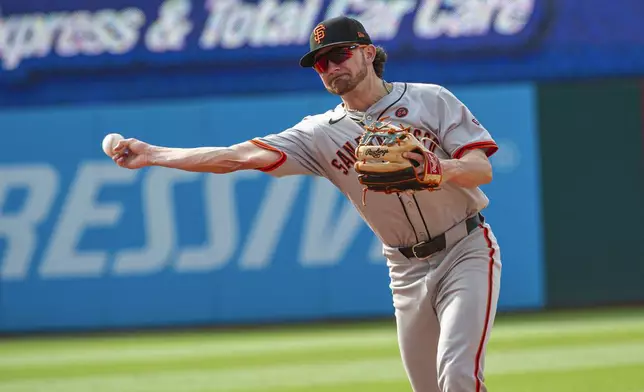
(161, 280)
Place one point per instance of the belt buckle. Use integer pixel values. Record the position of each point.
(413, 249)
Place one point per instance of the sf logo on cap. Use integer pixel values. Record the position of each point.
(318, 34)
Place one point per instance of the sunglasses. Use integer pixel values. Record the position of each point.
(335, 55)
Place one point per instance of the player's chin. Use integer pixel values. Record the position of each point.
(339, 87)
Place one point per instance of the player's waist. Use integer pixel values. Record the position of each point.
(425, 249)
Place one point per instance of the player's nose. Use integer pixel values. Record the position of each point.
(333, 68)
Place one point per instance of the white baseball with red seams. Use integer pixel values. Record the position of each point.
(445, 304)
(109, 142)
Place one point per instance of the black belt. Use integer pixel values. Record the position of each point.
(427, 248)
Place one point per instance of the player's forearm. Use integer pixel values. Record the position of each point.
(201, 159)
(469, 171)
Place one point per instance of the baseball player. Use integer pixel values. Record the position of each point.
(443, 258)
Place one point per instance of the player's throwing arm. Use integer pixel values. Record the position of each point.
(135, 154)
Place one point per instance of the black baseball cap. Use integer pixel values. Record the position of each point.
(333, 31)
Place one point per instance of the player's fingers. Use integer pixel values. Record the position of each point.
(120, 159)
(123, 144)
(408, 155)
(414, 157)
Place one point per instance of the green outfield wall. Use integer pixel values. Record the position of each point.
(593, 191)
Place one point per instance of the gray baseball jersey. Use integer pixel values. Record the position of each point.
(323, 145)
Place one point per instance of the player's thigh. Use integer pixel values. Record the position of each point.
(466, 307)
(417, 324)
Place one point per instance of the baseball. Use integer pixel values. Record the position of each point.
(109, 142)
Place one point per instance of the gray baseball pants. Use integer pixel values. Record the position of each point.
(445, 307)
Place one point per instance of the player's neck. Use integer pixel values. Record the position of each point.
(366, 94)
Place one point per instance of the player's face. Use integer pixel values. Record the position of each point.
(341, 68)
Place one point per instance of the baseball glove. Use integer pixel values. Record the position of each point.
(381, 166)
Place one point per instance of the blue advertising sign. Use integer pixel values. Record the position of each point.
(67, 51)
(73, 34)
(86, 244)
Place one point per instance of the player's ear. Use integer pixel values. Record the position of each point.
(370, 53)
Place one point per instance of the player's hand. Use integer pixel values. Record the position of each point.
(416, 158)
(132, 154)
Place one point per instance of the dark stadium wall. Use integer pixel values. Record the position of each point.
(592, 171)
